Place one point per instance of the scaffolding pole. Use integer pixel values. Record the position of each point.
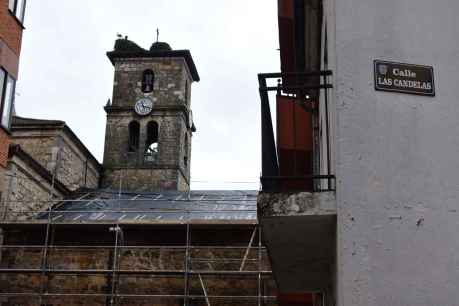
(204, 289)
(248, 249)
(140, 296)
(187, 262)
(44, 258)
(115, 267)
(259, 265)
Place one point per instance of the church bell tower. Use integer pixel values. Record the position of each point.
(149, 120)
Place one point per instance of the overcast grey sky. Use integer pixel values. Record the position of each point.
(64, 73)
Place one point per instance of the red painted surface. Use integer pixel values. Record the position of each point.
(285, 8)
(4, 146)
(10, 29)
(287, 37)
(300, 299)
(10, 49)
(294, 142)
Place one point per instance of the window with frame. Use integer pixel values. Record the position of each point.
(17, 8)
(185, 155)
(148, 80)
(134, 135)
(7, 89)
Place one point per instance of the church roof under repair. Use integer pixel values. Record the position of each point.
(109, 206)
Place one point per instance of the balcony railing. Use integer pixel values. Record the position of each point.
(299, 157)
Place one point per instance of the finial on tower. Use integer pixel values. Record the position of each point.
(157, 34)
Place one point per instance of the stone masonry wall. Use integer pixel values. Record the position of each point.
(170, 151)
(171, 101)
(171, 77)
(143, 179)
(182, 184)
(74, 170)
(185, 140)
(53, 148)
(138, 259)
(26, 193)
(117, 139)
(37, 146)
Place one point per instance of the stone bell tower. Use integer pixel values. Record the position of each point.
(149, 120)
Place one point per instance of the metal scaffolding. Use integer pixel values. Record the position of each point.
(250, 264)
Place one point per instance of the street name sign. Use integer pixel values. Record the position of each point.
(404, 78)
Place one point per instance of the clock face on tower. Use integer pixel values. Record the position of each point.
(143, 106)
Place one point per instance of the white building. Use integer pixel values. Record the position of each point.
(387, 231)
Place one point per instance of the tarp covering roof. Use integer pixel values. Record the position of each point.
(108, 206)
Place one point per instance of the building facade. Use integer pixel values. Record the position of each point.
(149, 120)
(55, 146)
(46, 162)
(29, 186)
(385, 232)
(11, 27)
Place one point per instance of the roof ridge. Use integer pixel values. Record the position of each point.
(25, 120)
